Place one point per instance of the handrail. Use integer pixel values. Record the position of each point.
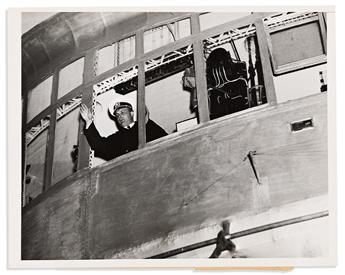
(240, 234)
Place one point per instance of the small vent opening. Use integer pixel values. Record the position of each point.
(301, 125)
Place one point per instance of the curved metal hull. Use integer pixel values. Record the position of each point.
(186, 183)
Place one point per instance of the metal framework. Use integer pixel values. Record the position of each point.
(287, 18)
(272, 22)
(150, 67)
(117, 79)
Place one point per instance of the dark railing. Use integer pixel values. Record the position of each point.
(240, 234)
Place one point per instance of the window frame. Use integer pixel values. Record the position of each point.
(302, 63)
(90, 78)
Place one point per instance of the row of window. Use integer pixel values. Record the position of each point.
(235, 82)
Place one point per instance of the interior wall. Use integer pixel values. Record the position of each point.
(299, 83)
(168, 103)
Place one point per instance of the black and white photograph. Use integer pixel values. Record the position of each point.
(178, 135)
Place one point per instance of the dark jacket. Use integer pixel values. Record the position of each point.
(122, 142)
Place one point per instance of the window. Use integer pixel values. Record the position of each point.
(36, 144)
(106, 59)
(39, 98)
(124, 50)
(297, 53)
(169, 100)
(115, 54)
(212, 19)
(68, 83)
(165, 34)
(296, 40)
(234, 72)
(121, 87)
(66, 140)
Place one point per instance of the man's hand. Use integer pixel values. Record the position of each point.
(85, 114)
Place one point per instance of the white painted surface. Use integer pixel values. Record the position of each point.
(168, 103)
(298, 84)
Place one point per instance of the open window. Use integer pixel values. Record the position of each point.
(65, 159)
(170, 101)
(234, 72)
(122, 87)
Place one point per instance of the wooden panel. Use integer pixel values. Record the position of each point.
(199, 179)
